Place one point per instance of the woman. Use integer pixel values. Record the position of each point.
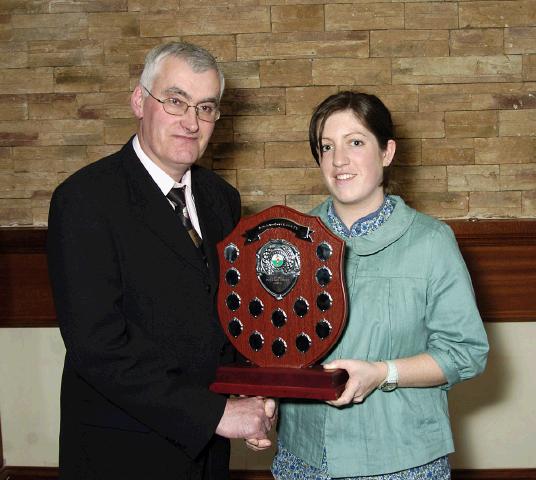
(413, 328)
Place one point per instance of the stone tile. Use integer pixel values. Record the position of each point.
(228, 156)
(96, 152)
(397, 98)
(276, 181)
(483, 96)
(473, 178)
(6, 160)
(103, 105)
(365, 16)
(15, 212)
(419, 179)
(419, 125)
(26, 80)
(529, 67)
(13, 54)
(48, 106)
(271, 46)
(518, 177)
(252, 204)
(94, 78)
(409, 43)
(477, 41)
(520, 40)
(440, 204)
(285, 73)
(424, 70)
(297, 18)
(271, 128)
(517, 123)
(408, 152)
(224, 131)
(51, 159)
(154, 6)
(217, 20)
(528, 204)
(431, 15)
(113, 25)
(241, 74)
(495, 204)
(60, 26)
(484, 14)
(345, 71)
(51, 132)
(222, 47)
(128, 50)
(288, 154)
(13, 107)
(505, 150)
(65, 53)
(58, 6)
(118, 131)
(448, 151)
(471, 124)
(303, 100)
(254, 101)
(304, 203)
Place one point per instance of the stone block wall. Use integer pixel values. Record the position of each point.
(459, 77)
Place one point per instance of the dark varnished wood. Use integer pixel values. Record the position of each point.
(500, 254)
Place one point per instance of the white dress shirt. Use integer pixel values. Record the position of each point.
(166, 183)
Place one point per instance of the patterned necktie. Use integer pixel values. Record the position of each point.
(176, 195)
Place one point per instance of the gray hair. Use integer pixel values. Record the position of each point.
(197, 57)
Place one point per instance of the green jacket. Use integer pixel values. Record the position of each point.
(409, 292)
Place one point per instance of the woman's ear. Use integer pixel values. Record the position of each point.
(389, 153)
(136, 102)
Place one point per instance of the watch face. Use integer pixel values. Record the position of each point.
(388, 387)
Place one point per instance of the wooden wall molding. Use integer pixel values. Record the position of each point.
(500, 254)
(41, 473)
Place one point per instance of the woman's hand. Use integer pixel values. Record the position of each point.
(363, 378)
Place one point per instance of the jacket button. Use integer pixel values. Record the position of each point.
(207, 288)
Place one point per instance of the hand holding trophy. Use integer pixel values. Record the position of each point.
(282, 304)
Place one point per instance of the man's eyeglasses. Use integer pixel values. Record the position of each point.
(208, 112)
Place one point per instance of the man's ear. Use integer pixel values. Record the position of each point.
(136, 102)
(389, 153)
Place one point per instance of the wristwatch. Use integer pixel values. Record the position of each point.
(391, 381)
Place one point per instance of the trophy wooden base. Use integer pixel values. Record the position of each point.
(280, 382)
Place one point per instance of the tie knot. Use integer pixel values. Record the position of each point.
(177, 196)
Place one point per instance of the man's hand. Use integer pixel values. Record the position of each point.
(257, 445)
(247, 417)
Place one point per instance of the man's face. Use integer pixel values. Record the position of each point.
(173, 142)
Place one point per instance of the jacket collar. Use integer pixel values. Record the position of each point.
(397, 224)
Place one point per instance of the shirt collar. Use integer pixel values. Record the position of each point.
(364, 225)
(161, 178)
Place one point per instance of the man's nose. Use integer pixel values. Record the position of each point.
(189, 120)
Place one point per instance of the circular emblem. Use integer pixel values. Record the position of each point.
(278, 260)
(278, 267)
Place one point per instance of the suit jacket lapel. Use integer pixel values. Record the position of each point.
(152, 207)
(209, 222)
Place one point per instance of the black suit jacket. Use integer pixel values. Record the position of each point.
(136, 307)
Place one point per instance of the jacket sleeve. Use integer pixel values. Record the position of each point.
(456, 336)
(106, 347)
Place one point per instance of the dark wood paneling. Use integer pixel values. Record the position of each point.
(39, 473)
(500, 254)
(25, 296)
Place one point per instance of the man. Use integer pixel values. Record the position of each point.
(134, 277)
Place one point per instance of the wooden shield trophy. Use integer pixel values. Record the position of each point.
(282, 304)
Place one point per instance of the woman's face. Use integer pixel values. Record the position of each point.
(352, 166)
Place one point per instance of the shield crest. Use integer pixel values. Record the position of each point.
(281, 299)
